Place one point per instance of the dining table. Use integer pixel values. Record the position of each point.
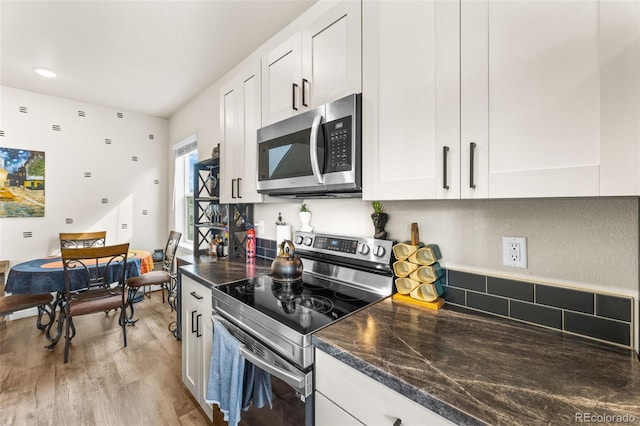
(46, 275)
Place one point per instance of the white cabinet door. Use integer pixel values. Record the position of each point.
(281, 80)
(240, 119)
(197, 339)
(474, 115)
(373, 404)
(251, 122)
(530, 85)
(190, 308)
(332, 55)
(322, 63)
(620, 97)
(230, 125)
(410, 100)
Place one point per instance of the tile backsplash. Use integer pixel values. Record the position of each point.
(590, 314)
(266, 248)
(604, 317)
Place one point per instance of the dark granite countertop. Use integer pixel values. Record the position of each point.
(212, 271)
(476, 369)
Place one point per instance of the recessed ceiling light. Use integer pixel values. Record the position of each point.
(45, 72)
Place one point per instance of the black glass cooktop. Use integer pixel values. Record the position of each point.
(306, 305)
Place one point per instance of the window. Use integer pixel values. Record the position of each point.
(186, 155)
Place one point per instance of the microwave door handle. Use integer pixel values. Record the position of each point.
(313, 148)
(295, 381)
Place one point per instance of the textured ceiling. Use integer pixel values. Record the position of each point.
(149, 57)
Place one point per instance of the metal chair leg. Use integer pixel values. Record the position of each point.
(67, 339)
(130, 297)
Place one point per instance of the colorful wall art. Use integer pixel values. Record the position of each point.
(21, 183)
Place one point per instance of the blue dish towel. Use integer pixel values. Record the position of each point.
(226, 373)
(257, 387)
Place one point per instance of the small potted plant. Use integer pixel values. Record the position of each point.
(379, 218)
(305, 218)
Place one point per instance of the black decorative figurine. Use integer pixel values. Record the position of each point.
(379, 218)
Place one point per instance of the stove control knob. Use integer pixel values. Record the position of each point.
(364, 249)
(308, 241)
(298, 239)
(379, 251)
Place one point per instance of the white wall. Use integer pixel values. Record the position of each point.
(80, 147)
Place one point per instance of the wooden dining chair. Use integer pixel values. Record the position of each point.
(165, 278)
(94, 282)
(19, 302)
(82, 239)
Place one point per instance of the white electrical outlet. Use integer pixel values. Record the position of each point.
(514, 252)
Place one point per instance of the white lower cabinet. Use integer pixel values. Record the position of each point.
(329, 414)
(197, 338)
(345, 396)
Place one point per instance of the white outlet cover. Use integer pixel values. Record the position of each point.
(506, 252)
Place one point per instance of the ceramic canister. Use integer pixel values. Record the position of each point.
(402, 250)
(402, 268)
(426, 292)
(427, 255)
(427, 274)
(405, 285)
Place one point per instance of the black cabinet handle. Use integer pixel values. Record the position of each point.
(445, 151)
(233, 184)
(398, 422)
(293, 96)
(198, 334)
(472, 151)
(305, 82)
(193, 322)
(238, 187)
(196, 295)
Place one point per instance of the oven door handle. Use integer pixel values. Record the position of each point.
(313, 148)
(295, 381)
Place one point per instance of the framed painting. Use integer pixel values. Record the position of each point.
(21, 183)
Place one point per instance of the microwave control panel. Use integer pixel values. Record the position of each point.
(339, 136)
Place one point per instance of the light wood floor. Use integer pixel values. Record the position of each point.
(103, 383)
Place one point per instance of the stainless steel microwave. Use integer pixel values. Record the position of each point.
(314, 154)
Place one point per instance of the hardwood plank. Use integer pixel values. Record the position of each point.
(104, 383)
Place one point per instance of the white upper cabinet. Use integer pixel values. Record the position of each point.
(319, 64)
(501, 99)
(530, 85)
(619, 51)
(553, 89)
(240, 119)
(411, 98)
(281, 80)
(332, 55)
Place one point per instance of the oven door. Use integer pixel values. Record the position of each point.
(292, 389)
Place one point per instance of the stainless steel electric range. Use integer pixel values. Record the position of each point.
(275, 321)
